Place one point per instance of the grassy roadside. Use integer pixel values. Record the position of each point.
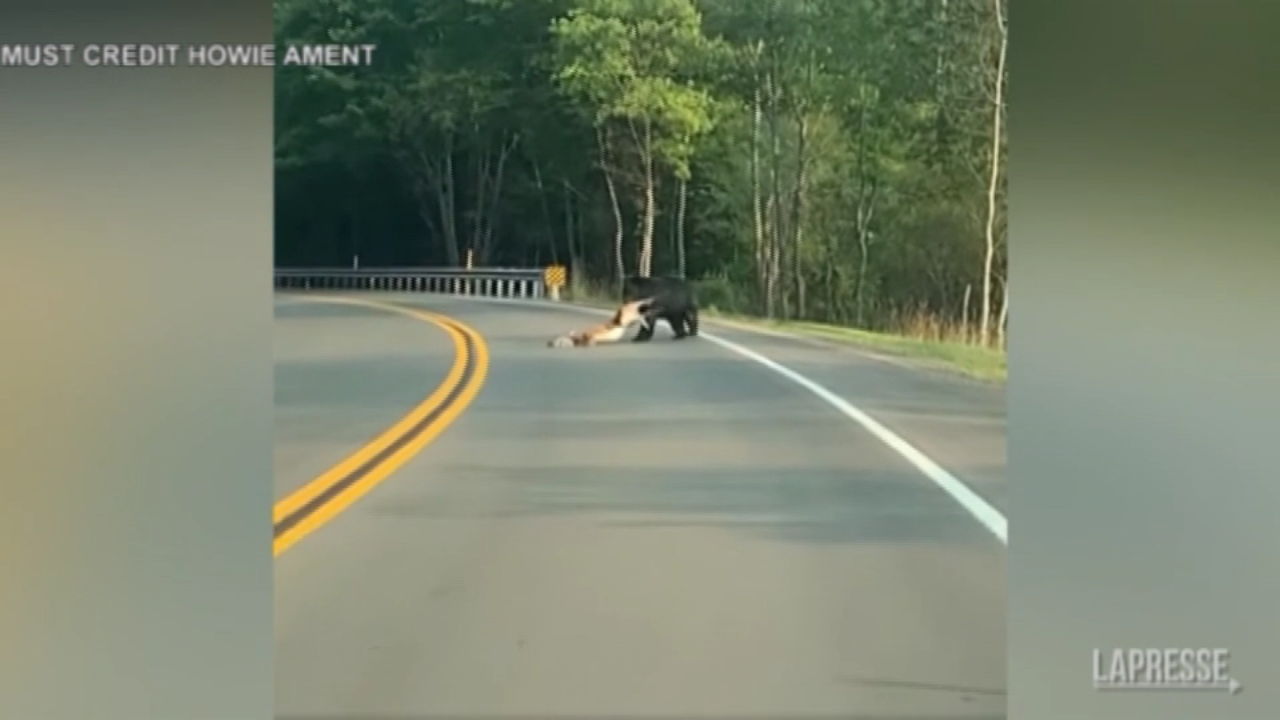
(967, 359)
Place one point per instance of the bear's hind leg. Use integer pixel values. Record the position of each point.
(677, 323)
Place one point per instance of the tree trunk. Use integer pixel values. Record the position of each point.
(619, 262)
(424, 193)
(757, 117)
(433, 184)
(864, 214)
(575, 249)
(682, 204)
(940, 77)
(479, 203)
(797, 210)
(546, 212)
(491, 214)
(993, 186)
(1002, 324)
(448, 205)
(859, 297)
(649, 217)
(865, 211)
(568, 222)
(776, 202)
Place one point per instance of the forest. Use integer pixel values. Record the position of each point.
(828, 161)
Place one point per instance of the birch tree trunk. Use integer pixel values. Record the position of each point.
(649, 219)
(993, 186)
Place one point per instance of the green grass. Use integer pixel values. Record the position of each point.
(927, 344)
(969, 359)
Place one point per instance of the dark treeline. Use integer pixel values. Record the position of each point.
(829, 160)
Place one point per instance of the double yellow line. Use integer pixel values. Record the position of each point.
(320, 500)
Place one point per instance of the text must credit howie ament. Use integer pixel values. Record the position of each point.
(184, 55)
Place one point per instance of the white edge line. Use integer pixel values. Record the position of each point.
(819, 342)
(985, 513)
(990, 517)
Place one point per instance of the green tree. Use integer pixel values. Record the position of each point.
(827, 160)
(628, 63)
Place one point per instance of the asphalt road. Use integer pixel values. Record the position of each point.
(633, 530)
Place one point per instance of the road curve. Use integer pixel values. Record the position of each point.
(344, 373)
(656, 529)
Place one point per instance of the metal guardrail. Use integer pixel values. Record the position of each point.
(487, 282)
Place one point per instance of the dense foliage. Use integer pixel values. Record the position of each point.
(829, 160)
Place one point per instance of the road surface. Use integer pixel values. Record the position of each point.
(635, 530)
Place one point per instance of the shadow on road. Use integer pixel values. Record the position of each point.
(788, 504)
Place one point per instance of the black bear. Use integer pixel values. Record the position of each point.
(673, 301)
